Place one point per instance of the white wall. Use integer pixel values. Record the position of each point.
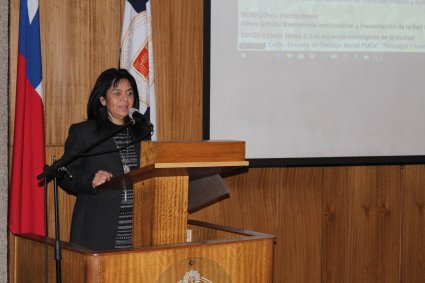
(4, 71)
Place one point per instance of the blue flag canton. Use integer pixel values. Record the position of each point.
(138, 5)
(29, 44)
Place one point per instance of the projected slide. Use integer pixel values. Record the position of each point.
(319, 78)
(332, 25)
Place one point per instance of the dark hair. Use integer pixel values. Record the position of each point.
(95, 109)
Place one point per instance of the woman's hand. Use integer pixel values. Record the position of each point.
(100, 178)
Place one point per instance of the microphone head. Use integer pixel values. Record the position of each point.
(131, 112)
(140, 123)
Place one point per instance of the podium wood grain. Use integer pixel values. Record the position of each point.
(162, 215)
(236, 257)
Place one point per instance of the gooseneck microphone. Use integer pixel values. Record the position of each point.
(136, 116)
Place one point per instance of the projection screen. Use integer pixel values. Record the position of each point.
(318, 78)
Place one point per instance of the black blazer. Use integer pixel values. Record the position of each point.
(95, 216)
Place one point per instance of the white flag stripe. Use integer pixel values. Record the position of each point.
(32, 9)
(39, 90)
(129, 13)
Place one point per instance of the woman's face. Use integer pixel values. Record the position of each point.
(119, 100)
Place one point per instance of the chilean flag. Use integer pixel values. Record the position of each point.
(137, 53)
(26, 203)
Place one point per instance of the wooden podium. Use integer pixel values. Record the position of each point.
(167, 247)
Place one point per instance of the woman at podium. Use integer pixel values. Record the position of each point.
(103, 220)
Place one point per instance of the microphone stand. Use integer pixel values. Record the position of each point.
(58, 168)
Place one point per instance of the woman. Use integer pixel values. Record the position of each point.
(103, 220)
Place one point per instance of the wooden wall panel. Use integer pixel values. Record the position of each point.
(361, 232)
(282, 202)
(300, 225)
(413, 224)
(79, 39)
(178, 50)
(13, 53)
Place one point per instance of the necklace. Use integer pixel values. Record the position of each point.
(124, 157)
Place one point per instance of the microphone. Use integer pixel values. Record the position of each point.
(135, 115)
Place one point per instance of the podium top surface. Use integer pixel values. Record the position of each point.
(153, 152)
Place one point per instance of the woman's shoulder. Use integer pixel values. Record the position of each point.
(84, 126)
